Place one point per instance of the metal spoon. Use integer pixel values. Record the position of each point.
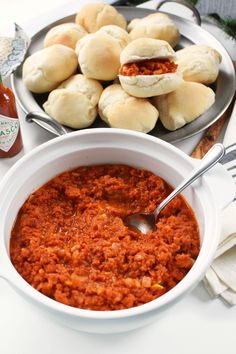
(146, 222)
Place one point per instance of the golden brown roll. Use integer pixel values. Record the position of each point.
(47, 68)
(74, 102)
(67, 34)
(157, 26)
(99, 56)
(120, 110)
(199, 63)
(182, 106)
(94, 16)
(148, 68)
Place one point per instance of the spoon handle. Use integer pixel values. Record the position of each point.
(209, 160)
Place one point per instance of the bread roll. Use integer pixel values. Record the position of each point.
(157, 26)
(146, 48)
(74, 102)
(47, 68)
(120, 110)
(94, 16)
(117, 33)
(132, 24)
(186, 103)
(152, 70)
(99, 56)
(199, 63)
(67, 34)
(89, 87)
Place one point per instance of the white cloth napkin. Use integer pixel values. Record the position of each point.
(220, 279)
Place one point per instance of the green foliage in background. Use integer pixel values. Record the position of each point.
(228, 25)
(194, 2)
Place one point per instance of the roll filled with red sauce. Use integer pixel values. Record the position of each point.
(148, 68)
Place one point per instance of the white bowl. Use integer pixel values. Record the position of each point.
(207, 196)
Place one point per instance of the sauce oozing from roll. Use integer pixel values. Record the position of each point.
(148, 67)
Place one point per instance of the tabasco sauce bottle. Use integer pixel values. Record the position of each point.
(10, 135)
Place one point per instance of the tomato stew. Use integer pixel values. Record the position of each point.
(70, 243)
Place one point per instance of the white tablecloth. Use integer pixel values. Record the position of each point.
(195, 325)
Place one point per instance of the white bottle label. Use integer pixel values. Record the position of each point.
(9, 128)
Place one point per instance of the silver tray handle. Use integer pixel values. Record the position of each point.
(39, 117)
(196, 15)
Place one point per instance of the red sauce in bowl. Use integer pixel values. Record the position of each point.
(70, 243)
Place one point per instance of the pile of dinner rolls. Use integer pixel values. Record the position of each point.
(128, 73)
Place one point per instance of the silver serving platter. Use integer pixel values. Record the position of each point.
(191, 33)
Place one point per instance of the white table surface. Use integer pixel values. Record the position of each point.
(196, 325)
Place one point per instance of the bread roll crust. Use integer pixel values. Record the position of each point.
(182, 106)
(150, 85)
(99, 56)
(146, 48)
(119, 110)
(94, 16)
(67, 34)
(74, 102)
(132, 24)
(199, 63)
(157, 26)
(118, 33)
(47, 68)
(70, 108)
(91, 88)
